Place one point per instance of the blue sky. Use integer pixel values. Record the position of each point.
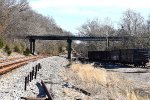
(71, 14)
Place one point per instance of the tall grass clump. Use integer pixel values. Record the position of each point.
(16, 49)
(26, 52)
(90, 74)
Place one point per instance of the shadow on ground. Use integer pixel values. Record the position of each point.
(41, 90)
(111, 65)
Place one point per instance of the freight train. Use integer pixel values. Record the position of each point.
(136, 57)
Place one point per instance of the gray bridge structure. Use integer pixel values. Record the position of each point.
(69, 40)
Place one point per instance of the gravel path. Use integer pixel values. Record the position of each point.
(12, 83)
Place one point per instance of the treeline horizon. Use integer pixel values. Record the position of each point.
(132, 24)
(18, 19)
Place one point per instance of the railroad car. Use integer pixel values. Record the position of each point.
(99, 55)
(137, 57)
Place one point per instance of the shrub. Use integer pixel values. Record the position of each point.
(26, 52)
(7, 50)
(1, 43)
(59, 49)
(16, 49)
(22, 48)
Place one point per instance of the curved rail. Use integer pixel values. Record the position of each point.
(10, 65)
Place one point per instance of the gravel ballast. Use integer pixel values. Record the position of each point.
(12, 83)
(55, 72)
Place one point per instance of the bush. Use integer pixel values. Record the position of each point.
(1, 43)
(7, 50)
(22, 47)
(60, 49)
(26, 52)
(16, 49)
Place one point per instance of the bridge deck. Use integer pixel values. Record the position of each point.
(86, 38)
(71, 38)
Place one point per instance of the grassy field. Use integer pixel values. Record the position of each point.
(102, 84)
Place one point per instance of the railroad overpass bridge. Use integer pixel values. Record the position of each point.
(69, 40)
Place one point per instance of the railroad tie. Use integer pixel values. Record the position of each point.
(76, 88)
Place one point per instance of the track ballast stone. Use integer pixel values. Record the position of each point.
(12, 83)
(55, 74)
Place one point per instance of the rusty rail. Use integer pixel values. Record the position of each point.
(43, 98)
(10, 59)
(6, 67)
(46, 90)
(31, 98)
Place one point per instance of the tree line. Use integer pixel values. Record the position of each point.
(18, 20)
(132, 24)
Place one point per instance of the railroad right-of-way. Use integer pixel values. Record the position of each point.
(12, 83)
(76, 82)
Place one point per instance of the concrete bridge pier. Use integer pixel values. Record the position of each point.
(69, 41)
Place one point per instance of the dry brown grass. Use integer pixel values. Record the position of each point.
(134, 96)
(75, 95)
(101, 83)
(90, 74)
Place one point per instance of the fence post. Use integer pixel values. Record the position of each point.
(39, 65)
(25, 87)
(30, 76)
(35, 71)
(32, 73)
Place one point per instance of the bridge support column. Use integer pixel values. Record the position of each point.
(107, 43)
(69, 48)
(32, 46)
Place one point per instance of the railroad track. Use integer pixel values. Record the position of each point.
(7, 66)
(10, 59)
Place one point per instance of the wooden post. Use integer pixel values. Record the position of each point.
(25, 87)
(30, 76)
(35, 71)
(32, 72)
(39, 65)
(35, 74)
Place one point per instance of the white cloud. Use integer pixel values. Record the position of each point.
(63, 10)
(133, 4)
(73, 6)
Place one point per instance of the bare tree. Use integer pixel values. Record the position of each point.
(95, 28)
(132, 22)
(17, 19)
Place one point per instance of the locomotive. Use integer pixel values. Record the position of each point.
(136, 57)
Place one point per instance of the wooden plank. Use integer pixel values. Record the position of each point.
(46, 90)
